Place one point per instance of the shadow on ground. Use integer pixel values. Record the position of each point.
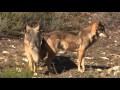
(62, 64)
(96, 67)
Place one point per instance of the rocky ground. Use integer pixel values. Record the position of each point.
(102, 59)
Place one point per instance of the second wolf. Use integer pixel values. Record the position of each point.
(56, 40)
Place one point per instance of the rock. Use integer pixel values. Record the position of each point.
(89, 22)
(92, 63)
(102, 74)
(99, 70)
(2, 58)
(18, 69)
(103, 53)
(13, 46)
(61, 52)
(35, 74)
(23, 63)
(16, 63)
(70, 75)
(115, 41)
(5, 52)
(109, 70)
(104, 58)
(116, 72)
(89, 57)
(9, 40)
(6, 60)
(75, 52)
(108, 46)
(116, 67)
(25, 59)
(40, 68)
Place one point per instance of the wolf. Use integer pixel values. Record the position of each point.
(32, 46)
(55, 41)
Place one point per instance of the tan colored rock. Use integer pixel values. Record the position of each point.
(109, 70)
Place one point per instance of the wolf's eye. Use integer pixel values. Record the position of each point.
(101, 29)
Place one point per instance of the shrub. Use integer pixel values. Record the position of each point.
(16, 21)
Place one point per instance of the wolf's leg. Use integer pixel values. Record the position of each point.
(52, 49)
(81, 67)
(83, 64)
(30, 61)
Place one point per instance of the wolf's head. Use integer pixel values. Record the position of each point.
(99, 29)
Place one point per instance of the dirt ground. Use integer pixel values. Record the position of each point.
(101, 59)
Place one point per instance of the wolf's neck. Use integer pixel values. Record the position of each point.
(90, 31)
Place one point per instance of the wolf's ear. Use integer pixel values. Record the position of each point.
(37, 29)
(27, 28)
(99, 23)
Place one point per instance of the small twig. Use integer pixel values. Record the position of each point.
(116, 55)
(54, 68)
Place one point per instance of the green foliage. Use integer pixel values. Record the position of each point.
(16, 73)
(16, 21)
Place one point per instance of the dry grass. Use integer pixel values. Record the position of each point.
(16, 21)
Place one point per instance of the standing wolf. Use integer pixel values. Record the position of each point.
(32, 46)
(67, 41)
